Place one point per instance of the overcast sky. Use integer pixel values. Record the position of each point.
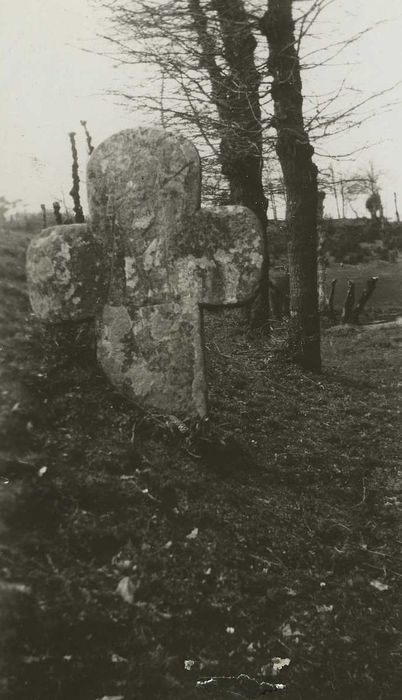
(48, 83)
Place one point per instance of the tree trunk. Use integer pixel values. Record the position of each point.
(88, 137)
(321, 257)
(75, 190)
(235, 94)
(398, 218)
(300, 176)
(343, 200)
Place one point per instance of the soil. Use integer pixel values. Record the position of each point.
(142, 553)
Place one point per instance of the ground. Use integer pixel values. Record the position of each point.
(134, 544)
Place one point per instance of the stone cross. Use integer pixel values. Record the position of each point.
(145, 266)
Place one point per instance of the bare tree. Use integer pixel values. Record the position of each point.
(300, 176)
(235, 94)
(332, 186)
(204, 55)
(374, 206)
(397, 217)
(347, 187)
(212, 80)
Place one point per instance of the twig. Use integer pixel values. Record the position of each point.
(364, 496)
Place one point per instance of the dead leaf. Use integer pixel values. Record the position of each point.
(173, 421)
(126, 589)
(193, 534)
(9, 587)
(288, 632)
(324, 608)
(117, 659)
(290, 591)
(278, 664)
(379, 585)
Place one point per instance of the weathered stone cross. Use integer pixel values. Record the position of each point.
(145, 265)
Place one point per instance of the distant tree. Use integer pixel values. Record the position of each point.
(397, 217)
(347, 188)
(5, 206)
(57, 214)
(374, 206)
(44, 215)
(372, 178)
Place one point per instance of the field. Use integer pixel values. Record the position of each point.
(140, 554)
(387, 299)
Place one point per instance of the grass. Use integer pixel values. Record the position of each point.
(271, 531)
(387, 299)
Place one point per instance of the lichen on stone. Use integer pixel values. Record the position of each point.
(145, 266)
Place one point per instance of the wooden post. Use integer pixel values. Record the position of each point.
(88, 136)
(347, 313)
(331, 298)
(44, 216)
(368, 291)
(75, 190)
(398, 218)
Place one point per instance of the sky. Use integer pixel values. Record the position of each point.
(53, 74)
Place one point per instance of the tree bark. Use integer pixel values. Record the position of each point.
(87, 136)
(235, 94)
(300, 175)
(321, 256)
(75, 190)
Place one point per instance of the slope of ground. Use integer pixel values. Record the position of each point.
(133, 543)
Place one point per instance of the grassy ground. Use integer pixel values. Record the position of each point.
(387, 298)
(271, 532)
